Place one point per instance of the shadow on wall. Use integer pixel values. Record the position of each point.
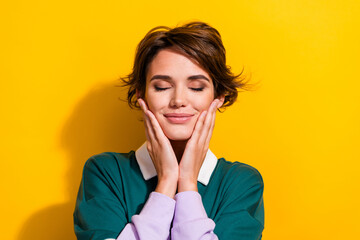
(99, 123)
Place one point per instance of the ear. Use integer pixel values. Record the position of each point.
(221, 100)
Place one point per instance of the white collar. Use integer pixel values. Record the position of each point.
(148, 169)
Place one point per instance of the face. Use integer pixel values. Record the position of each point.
(177, 91)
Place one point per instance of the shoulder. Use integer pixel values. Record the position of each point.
(242, 188)
(240, 175)
(105, 171)
(108, 163)
(108, 159)
(240, 170)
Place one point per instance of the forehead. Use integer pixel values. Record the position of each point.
(172, 61)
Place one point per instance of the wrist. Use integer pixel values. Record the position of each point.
(166, 187)
(186, 185)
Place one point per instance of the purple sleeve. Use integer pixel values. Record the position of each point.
(190, 219)
(154, 220)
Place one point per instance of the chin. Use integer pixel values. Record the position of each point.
(178, 135)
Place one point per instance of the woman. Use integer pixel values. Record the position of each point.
(173, 186)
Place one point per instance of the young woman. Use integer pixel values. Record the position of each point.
(173, 186)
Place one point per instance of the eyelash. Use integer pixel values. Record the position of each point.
(159, 89)
(197, 89)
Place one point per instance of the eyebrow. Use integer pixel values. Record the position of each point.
(167, 77)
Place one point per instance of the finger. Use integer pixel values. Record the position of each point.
(198, 127)
(208, 121)
(201, 131)
(158, 132)
(214, 115)
(210, 132)
(149, 131)
(155, 126)
(143, 105)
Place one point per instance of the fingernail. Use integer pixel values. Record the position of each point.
(215, 102)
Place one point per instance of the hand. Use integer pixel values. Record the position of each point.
(161, 153)
(196, 149)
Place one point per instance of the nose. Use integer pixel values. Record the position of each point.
(178, 98)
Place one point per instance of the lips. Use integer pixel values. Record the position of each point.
(178, 118)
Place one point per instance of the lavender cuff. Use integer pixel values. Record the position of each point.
(189, 207)
(154, 220)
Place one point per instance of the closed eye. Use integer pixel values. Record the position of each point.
(197, 89)
(160, 88)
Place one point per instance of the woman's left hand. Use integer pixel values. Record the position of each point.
(196, 149)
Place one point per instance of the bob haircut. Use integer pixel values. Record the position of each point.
(198, 41)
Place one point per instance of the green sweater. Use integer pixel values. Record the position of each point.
(113, 189)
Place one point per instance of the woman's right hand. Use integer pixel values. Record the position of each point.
(161, 153)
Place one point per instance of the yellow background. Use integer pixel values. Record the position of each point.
(300, 129)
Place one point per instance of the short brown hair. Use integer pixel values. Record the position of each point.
(197, 40)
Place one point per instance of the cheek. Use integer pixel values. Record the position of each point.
(154, 102)
(203, 103)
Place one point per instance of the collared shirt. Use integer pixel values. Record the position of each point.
(116, 200)
(186, 208)
(186, 213)
(148, 169)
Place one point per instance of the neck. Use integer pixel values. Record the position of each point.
(178, 147)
